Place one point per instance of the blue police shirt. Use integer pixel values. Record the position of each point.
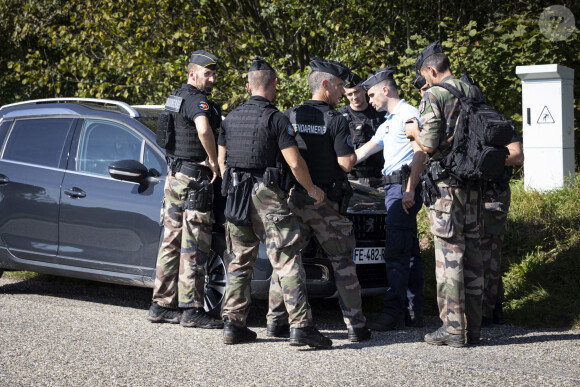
(397, 149)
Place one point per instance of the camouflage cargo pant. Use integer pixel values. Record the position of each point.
(455, 224)
(182, 259)
(277, 228)
(335, 235)
(495, 226)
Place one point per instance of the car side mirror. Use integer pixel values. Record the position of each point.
(129, 170)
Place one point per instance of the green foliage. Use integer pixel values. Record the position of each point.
(136, 51)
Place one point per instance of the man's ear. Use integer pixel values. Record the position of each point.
(325, 83)
(386, 90)
(432, 71)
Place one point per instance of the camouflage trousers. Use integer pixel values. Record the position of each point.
(495, 226)
(277, 228)
(182, 259)
(455, 225)
(334, 233)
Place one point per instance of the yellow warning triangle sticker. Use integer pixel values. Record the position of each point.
(546, 117)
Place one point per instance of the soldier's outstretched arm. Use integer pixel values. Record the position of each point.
(367, 150)
(346, 162)
(300, 171)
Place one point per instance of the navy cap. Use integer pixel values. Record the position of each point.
(329, 66)
(352, 80)
(378, 76)
(260, 64)
(418, 81)
(204, 59)
(433, 48)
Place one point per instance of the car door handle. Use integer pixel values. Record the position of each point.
(4, 179)
(75, 192)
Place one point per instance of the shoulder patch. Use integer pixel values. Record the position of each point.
(203, 105)
(291, 130)
(349, 141)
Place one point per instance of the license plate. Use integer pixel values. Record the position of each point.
(366, 255)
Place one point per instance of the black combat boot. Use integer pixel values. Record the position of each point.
(442, 337)
(234, 334)
(197, 317)
(309, 336)
(498, 317)
(356, 335)
(275, 330)
(472, 337)
(161, 314)
(386, 322)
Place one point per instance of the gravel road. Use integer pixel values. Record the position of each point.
(80, 333)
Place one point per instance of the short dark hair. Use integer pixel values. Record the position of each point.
(261, 79)
(390, 83)
(439, 62)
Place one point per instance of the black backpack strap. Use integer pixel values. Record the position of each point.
(452, 89)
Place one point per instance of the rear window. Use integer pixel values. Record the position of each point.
(38, 141)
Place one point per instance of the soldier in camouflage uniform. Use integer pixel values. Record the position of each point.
(496, 201)
(455, 216)
(178, 295)
(325, 143)
(254, 139)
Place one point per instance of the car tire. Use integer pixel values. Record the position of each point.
(216, 276)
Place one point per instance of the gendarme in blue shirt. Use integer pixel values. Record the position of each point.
(397, 149)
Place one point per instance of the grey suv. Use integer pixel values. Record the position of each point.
(81, 186)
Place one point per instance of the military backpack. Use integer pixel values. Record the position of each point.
(479, 148)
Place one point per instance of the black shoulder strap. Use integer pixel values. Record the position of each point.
(452, 89)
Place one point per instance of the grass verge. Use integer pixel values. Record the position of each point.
(541, 257)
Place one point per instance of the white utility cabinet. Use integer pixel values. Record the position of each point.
(548, 125)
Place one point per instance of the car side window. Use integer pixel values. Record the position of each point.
(103, 142)
(156, 164)
(38, 141)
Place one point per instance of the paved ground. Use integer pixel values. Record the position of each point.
(77, 333)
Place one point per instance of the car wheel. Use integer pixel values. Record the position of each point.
(216, 276)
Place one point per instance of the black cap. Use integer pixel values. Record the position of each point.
(329, 66)
(378, 76)
(352, 80)
(204, 59)
(260, 64)
(419, 81)
(433, 48)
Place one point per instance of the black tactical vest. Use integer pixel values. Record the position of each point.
(362, 128)
(315, 144)
(187, 143)
(250, 143)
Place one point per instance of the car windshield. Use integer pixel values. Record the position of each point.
(148, 115)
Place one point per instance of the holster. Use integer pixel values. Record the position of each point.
(277, 176)
(340, 192)
(199, 197)
(405, 174)
(226, 181)
(429, 190)
(272, 177)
